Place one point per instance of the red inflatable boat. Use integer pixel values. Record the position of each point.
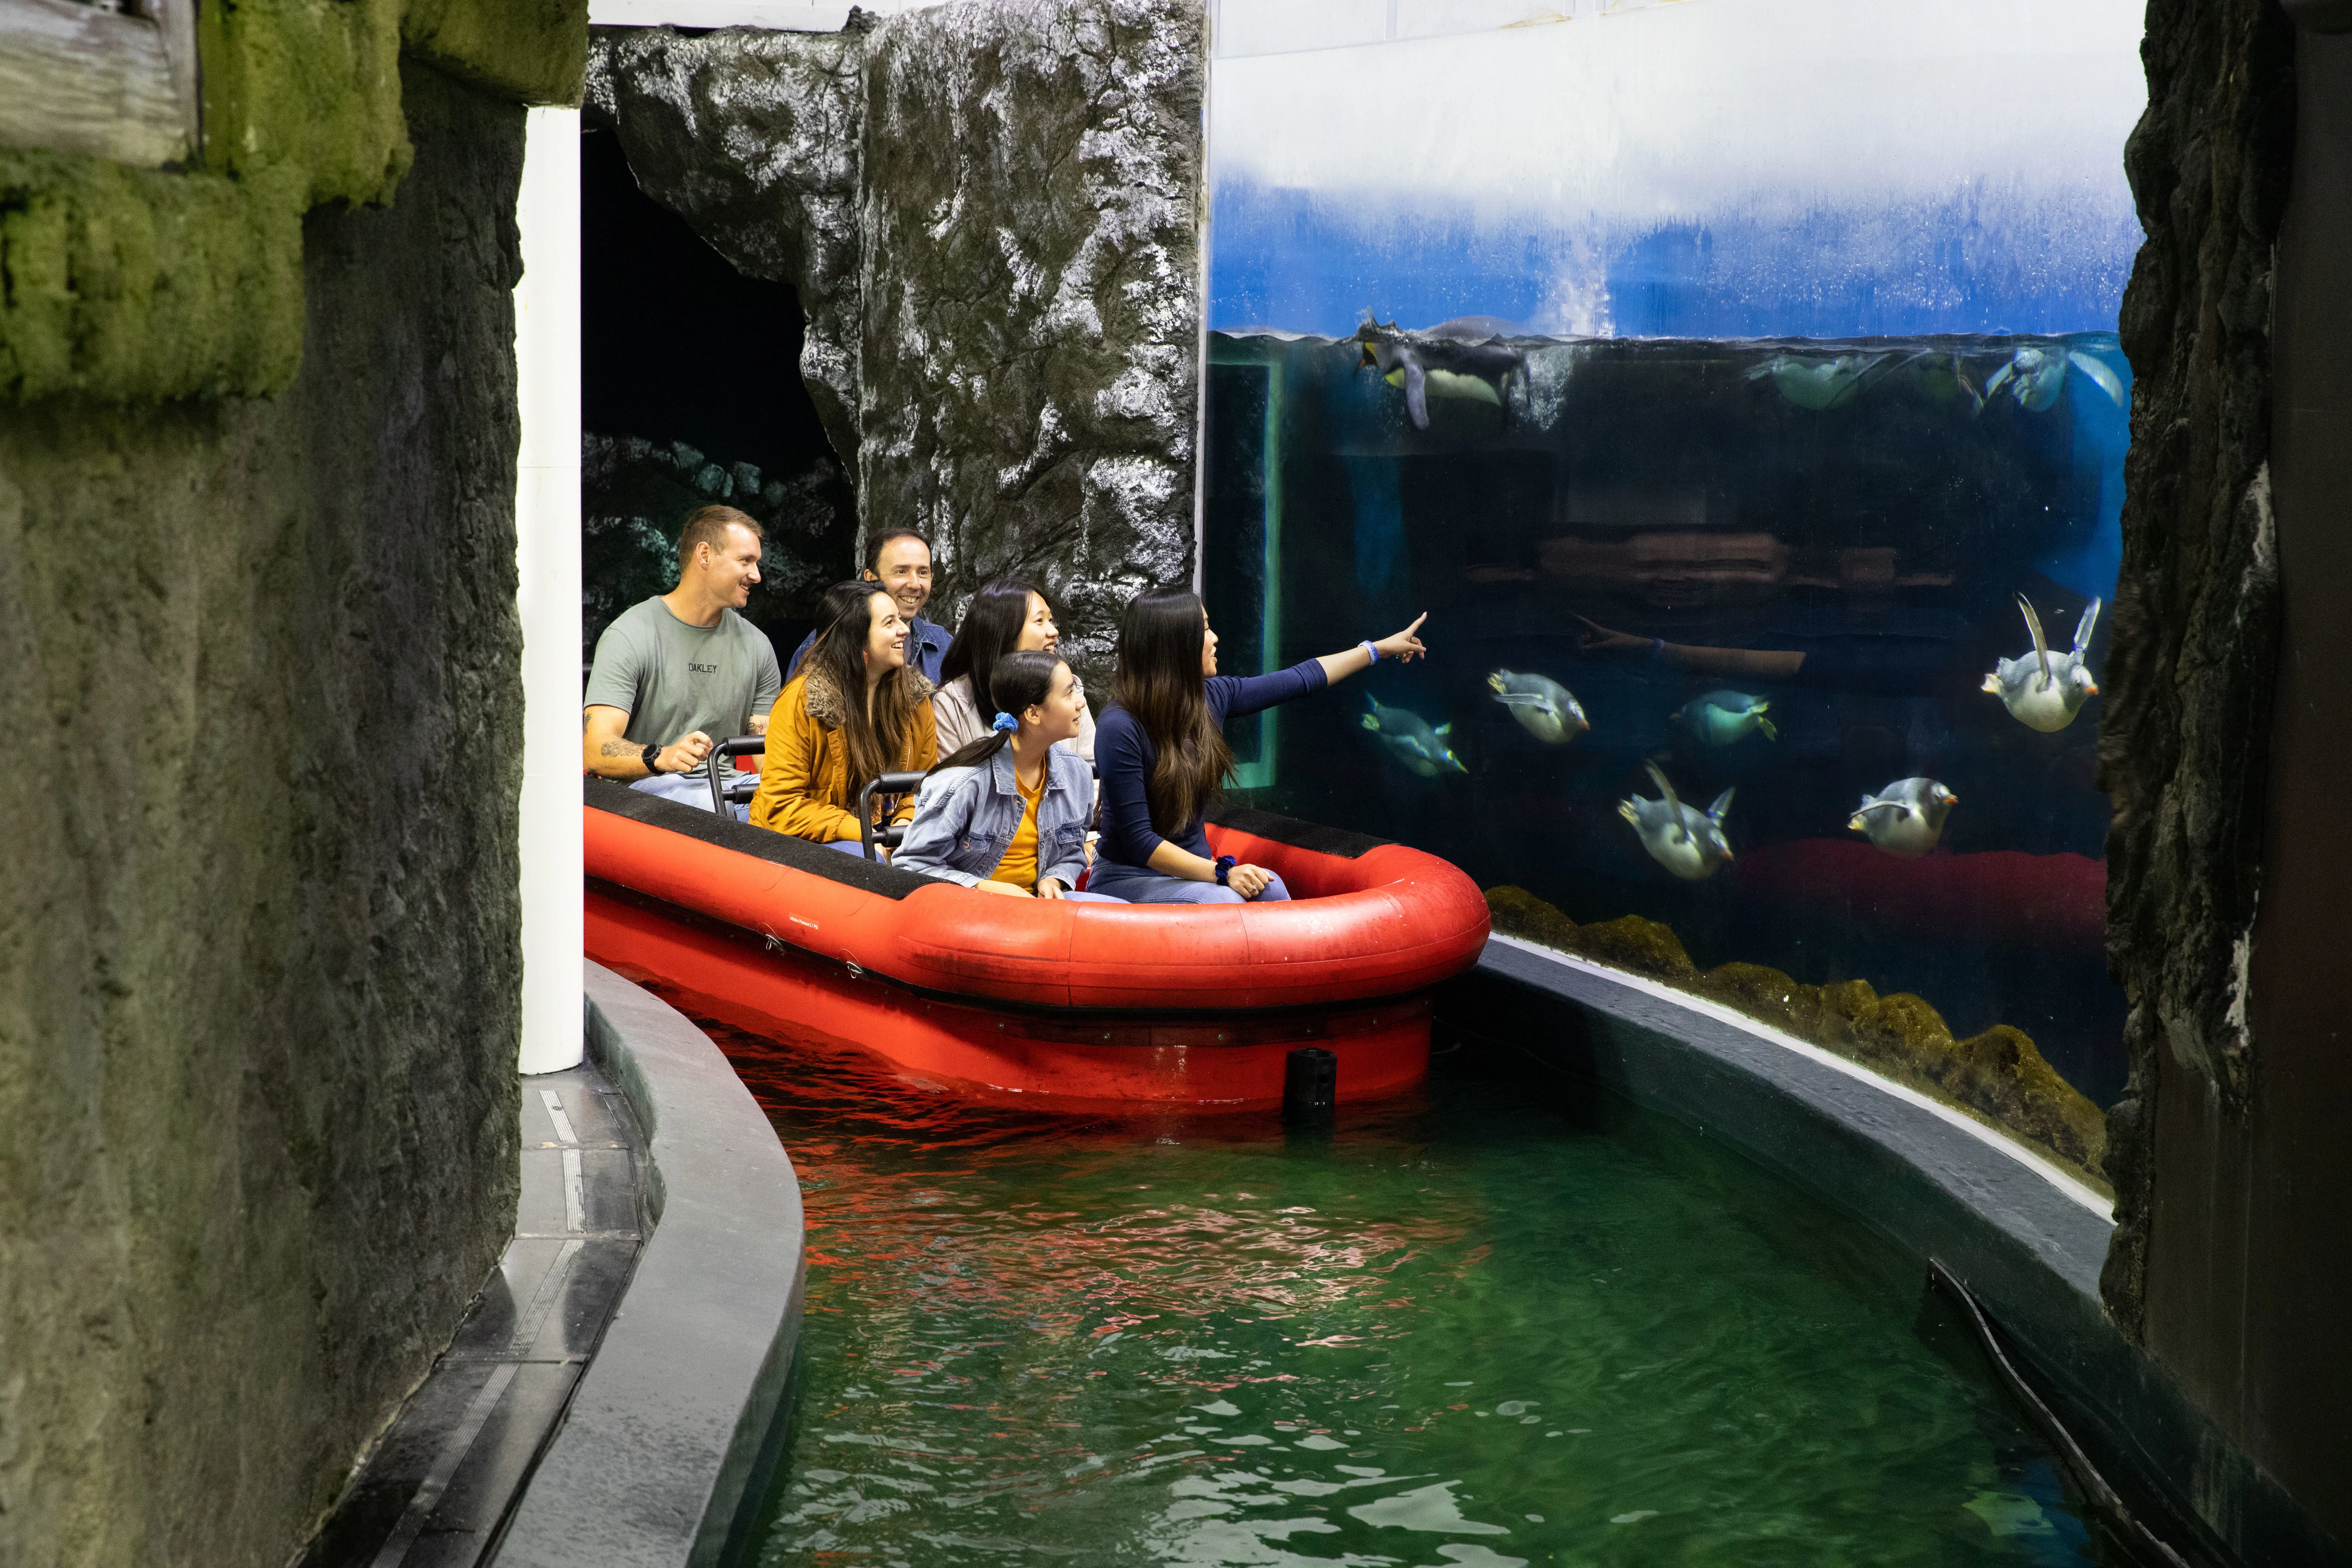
(1070, 1005)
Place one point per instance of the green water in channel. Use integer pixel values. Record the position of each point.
(1470, 1328)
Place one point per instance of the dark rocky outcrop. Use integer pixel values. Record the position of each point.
(754, 138)
(991, 212)
(2189, 679)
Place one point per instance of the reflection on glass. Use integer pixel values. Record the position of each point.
(1788, 649)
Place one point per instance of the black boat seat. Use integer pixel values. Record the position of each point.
(729, 789)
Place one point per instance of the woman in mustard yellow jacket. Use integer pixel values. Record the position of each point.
(857, 711)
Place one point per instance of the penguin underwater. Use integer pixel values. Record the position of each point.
(1685, 843)
(2044, 690)
(1720, 718)
(1544, 707)
(1445, 362)
(1407, 734)
(1905, 818)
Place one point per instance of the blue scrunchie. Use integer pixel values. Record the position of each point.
(1006, 722)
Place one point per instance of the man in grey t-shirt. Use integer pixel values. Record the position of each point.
(676, 671)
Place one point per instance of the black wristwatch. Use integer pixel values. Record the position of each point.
(1225, 864)
(653, 759)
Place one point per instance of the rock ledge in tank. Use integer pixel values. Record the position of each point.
(1998, 1077)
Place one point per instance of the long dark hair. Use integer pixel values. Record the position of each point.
(991, 625)
(873, 741)
(1021, 680)
(1159, 683)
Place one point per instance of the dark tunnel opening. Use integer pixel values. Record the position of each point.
(691, 396)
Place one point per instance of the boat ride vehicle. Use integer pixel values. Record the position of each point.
(1063, 1005)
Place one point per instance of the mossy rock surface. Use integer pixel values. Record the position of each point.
(1998, 1074)
(126, 285)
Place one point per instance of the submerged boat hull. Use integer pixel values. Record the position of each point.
(1087, 1007)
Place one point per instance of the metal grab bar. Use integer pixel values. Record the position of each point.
(888, 783)
(735, 792)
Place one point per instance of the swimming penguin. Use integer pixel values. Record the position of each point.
(1544, 707)
(1719, 718)
(2044, 690)
(1817, 383)
(1905, 818)
(1690, 845)
(2035, 377)
(1416, 745)
(1427, 365)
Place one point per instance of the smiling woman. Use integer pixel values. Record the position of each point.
(856, 710)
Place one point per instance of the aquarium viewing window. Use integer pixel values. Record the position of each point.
(1735, 383)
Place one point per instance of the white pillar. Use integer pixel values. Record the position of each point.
(547, 554)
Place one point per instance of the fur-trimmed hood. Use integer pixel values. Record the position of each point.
(827, 705)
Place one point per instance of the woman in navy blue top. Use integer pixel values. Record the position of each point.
(1160, 750)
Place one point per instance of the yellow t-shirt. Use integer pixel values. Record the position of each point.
(1019, 866)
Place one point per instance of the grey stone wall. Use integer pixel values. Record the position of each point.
(753, 137)
(258, 962)
(1008, 302)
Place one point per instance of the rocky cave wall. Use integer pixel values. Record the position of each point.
(2223, 745)
(259, 966)
(992, 214)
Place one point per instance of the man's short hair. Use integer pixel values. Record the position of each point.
(882, 540)
(708, 525)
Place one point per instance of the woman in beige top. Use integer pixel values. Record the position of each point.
(1005, 617)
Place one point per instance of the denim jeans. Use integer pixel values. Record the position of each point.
(687, 789)
(1150, 888)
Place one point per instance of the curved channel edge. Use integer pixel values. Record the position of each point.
(664, 1433)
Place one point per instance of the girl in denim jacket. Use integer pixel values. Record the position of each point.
(1008, 813)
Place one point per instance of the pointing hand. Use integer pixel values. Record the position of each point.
(1404, 647)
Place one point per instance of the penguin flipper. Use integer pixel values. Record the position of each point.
(1722, 804)
(2083, 627)
(2105, 378)
(1674, 802)
(1416, 392)
(2033, 625)
(1960, 374)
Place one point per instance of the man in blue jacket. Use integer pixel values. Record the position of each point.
(901, 566)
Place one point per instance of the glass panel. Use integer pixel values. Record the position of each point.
(1787, 577)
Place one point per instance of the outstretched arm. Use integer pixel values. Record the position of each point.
(1756, 665)
(1404, 647)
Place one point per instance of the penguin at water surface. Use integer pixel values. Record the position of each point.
(1438, 363)
(2036, 376)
